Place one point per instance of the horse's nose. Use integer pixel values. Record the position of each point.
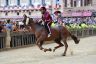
(78, 40)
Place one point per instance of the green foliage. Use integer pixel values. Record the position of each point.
(77, 27)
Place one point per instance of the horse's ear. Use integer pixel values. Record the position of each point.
(25, 16)
(31, 19)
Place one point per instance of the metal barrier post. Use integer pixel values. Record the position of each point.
(8, 39)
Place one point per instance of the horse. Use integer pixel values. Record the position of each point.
(59, 34)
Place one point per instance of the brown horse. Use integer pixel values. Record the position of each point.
(59, 34)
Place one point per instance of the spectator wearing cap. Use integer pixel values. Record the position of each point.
(1, 27)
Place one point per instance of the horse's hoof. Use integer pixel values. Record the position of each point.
(54, 50)
(45, 50)
(78, 41)
(63, 55)
(50, 49)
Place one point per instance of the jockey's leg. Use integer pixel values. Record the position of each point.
(48, 28)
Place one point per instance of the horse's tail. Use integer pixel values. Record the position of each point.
(76, 40)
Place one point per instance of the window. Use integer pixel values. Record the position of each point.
(2, 2)
(30, 2)
(48, 2)
(57, 1)
(24, 2)
(81, 2)
(74, 3)
(7, 2)
(29, 13)
(18, 2)
(65, 3)
(43, 2)
(12, 2)
(17, 13)
(6, 13)
(71, 3)
(87, 2)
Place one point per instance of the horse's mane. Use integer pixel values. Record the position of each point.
(38, 24)
(35, 22)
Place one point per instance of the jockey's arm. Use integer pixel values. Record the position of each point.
(41, 22)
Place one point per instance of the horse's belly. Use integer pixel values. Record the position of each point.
(54, 35)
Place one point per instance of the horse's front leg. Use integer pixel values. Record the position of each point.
(39, 43)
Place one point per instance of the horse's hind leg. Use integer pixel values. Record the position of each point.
(66, 46)
(58, 41)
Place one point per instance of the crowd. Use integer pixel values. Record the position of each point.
(12, 26)
(18, 25)
(86, 20)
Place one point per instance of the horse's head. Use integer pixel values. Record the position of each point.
(27, 20)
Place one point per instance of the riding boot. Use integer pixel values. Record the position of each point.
(48, 30)
(49, 34)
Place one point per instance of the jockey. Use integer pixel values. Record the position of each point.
(59, 18)
(46, 17)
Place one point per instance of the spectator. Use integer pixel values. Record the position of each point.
(9, 25)
(15, 27)
(2, 29)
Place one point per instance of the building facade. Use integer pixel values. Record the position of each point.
(79, 4)
(16, 8)
(79, 7)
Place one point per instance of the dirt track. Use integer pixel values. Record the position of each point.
(83, 53)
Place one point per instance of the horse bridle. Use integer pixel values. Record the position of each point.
(27, 21)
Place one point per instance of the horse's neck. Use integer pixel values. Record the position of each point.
(24, 19)
(32, 28)
(36, 27)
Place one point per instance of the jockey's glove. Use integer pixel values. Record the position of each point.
(42, 23)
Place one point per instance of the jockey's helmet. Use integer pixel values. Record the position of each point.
(43, 8)
(57, 12)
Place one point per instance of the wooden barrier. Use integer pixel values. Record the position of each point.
(19, 39)
(22, 39)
